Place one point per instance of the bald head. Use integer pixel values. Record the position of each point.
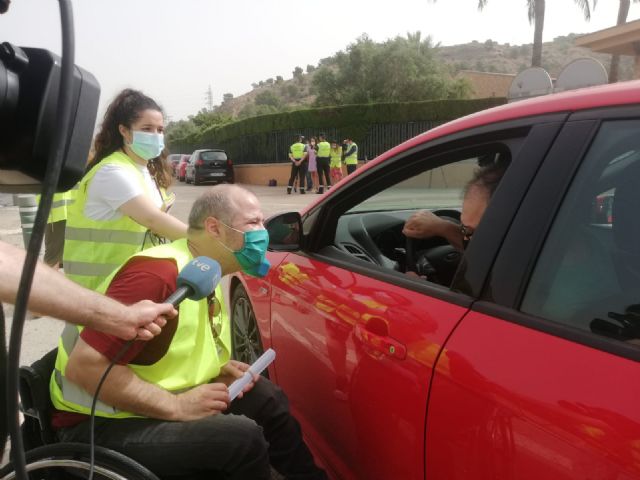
(223, 202)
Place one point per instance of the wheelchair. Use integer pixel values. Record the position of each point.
(46, 458)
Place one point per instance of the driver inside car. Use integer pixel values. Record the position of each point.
(477, 194)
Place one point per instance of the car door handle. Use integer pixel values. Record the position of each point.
(381, 343)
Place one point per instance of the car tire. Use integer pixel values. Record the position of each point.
(196, 181)
(246, 344)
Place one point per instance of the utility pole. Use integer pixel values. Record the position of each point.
(208, 95)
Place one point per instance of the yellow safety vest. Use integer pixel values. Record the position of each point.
(297, 150)
(168, 199)
(353, 158)
(324, 149)
(59, 204)
(194, 357)
(95, 248)
(336, 158)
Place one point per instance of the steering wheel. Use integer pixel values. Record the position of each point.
(437, 263)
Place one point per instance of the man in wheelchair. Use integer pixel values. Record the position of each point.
(165, 403)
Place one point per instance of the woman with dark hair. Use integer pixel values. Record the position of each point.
(122, 199)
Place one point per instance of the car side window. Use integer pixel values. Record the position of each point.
(372, 229)
(587, 275)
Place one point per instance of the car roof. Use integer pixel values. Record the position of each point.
(623, 93)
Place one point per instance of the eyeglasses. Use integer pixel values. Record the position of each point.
(467, 233)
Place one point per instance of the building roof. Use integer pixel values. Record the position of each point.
(622, 39)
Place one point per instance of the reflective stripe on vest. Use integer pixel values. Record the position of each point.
(194, 357)
(297, 150)
(93, 248)
(59, 204)
(324, 149)
(353, 158)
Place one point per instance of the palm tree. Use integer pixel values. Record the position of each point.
(623, 11)
(535, 10)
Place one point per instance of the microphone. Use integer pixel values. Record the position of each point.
(196, 280)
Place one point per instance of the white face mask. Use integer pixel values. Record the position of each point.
(147, 145)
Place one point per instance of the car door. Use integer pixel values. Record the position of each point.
(357, 339)
(541, 379)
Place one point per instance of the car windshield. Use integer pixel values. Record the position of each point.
(213, 156)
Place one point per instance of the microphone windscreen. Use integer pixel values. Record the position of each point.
(202, 275)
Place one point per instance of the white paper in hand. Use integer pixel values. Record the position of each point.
(255, 369)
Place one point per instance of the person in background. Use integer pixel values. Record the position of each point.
(54, 232)
(351, 155)
(336, 162)
(166, 403)
(120, 208)
(323, 160)
(161, 171)
(312, 166)
(298, 157)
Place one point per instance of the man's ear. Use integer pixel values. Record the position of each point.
(212, 225)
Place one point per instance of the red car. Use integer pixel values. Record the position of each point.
(520, 358)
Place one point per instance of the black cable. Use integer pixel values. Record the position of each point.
(54, 167)
(4, 413)
(92, 444)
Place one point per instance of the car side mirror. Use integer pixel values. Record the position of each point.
(284, 232)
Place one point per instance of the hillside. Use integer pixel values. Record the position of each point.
(486, 56)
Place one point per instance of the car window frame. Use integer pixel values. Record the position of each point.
(525, 240)
(540, 130)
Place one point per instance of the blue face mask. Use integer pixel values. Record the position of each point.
(147, 145)
(251, 256)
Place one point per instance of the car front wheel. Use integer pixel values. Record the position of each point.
(245, 336)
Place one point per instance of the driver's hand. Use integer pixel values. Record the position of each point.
(423, 224)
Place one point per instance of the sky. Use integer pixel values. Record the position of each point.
(175, 50)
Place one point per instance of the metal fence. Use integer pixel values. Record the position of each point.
(273, 147)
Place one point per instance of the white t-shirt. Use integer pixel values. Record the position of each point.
(114, 185)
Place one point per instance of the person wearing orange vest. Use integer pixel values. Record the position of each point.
(165, 403)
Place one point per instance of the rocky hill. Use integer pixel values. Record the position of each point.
(486, 56)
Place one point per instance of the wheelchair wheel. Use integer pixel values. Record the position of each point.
(72, 460)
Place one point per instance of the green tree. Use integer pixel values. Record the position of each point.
(291, 91)
(268, 98)
(623, 12)
(297, 72)
(227, 97)
(398, 70)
